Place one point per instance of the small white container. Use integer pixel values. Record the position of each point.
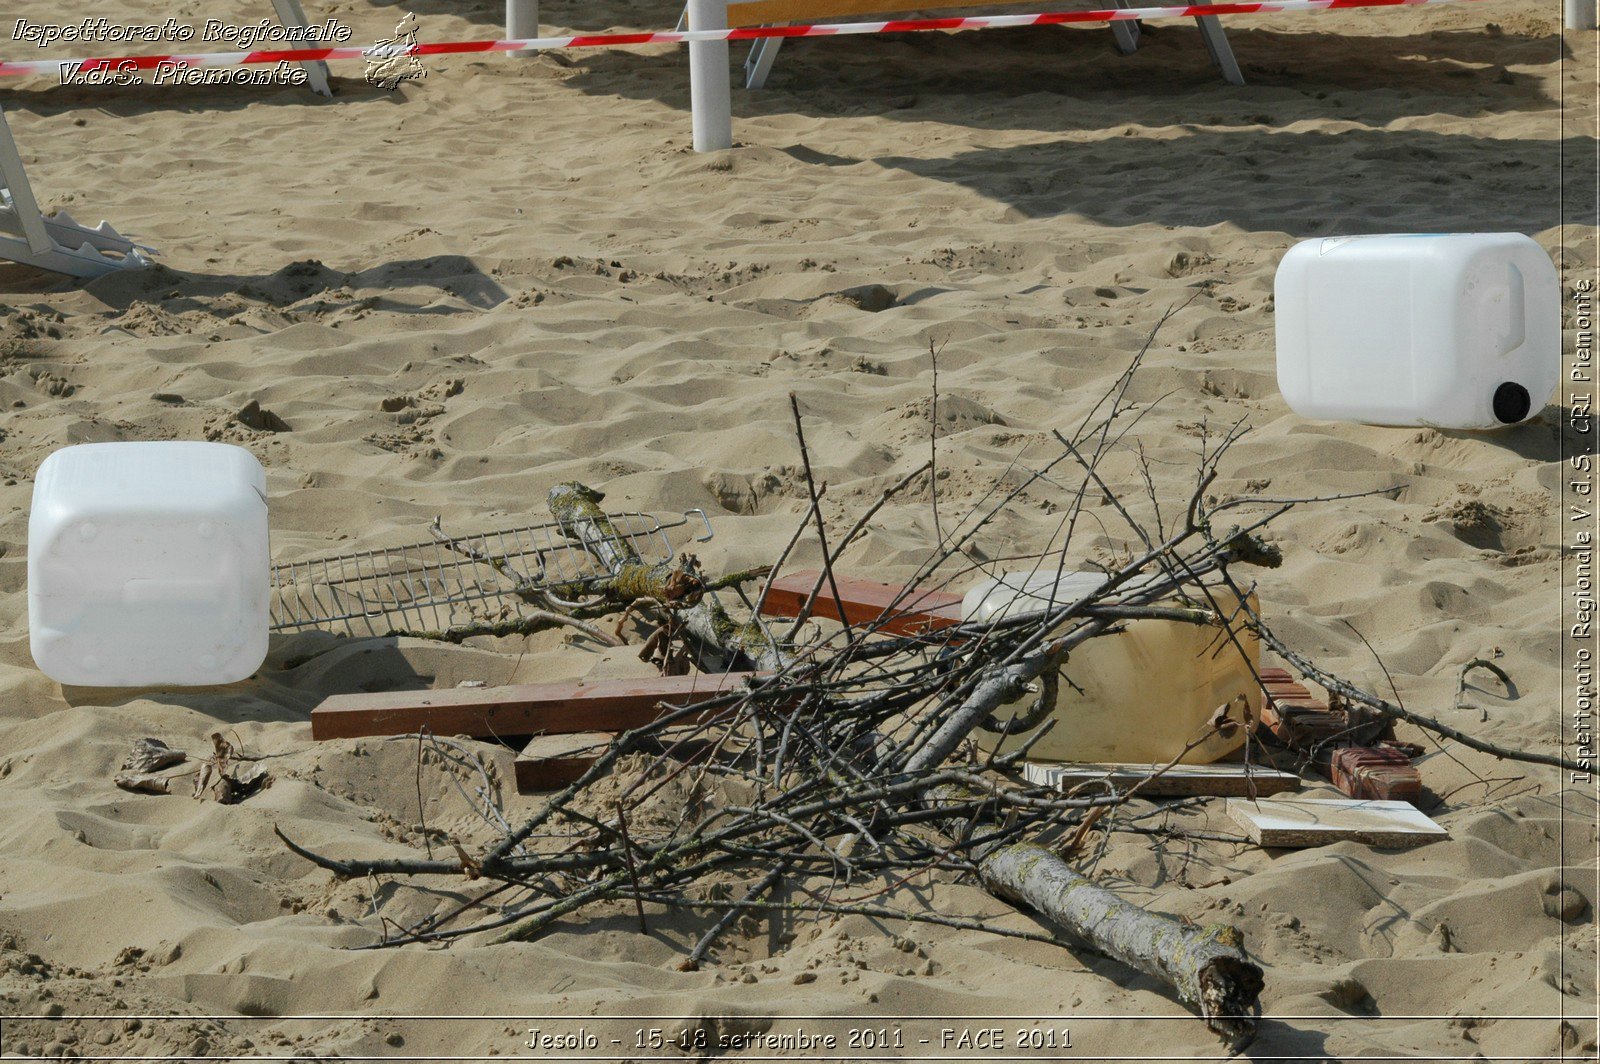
(1459, 331)
(1026, 594)
(148, 564)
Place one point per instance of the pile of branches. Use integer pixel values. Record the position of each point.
(849, 760)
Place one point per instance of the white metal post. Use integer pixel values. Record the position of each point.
(522, 21)
(1580, 14)
(710, 78)
(23, 206)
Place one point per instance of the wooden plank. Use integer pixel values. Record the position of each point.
(760, 12)
(1290, 823)
(1178, 781)
(866, 602)
(525, 709)
(552, 761)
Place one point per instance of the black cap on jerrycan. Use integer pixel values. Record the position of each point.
(1511, 403)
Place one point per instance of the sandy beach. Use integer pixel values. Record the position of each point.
(515, 272)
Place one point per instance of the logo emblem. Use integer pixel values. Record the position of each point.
(389, 62)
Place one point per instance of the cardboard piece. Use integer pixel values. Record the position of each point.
(1290, 823)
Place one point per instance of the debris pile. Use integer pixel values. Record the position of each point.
(827, 738)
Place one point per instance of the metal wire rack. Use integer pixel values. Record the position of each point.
(486, 577)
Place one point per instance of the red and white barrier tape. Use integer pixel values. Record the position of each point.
(54, 67)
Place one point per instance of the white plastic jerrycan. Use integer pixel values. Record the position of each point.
(148, 564)
(1139, 696)
(1459, 331)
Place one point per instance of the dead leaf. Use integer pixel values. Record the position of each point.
(152, 755)
(144, 783)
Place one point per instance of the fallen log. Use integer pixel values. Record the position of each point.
(1207, 966)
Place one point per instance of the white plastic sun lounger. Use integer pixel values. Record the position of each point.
(55, 242)
(772, 12)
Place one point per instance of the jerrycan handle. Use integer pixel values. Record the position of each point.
(1516, 319)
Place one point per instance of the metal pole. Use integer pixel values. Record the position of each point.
(710, 78)
(522, 21)
(1580, 14)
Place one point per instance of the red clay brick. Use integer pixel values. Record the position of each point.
(1375, 772)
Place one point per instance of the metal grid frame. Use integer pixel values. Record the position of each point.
(485, 577)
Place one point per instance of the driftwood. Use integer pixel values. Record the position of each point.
(853, 739)
(576, 508)
(750, 641)
(630, 582)
(1207, 966)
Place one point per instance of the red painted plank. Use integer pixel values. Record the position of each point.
(525, 709)
(866, 603)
